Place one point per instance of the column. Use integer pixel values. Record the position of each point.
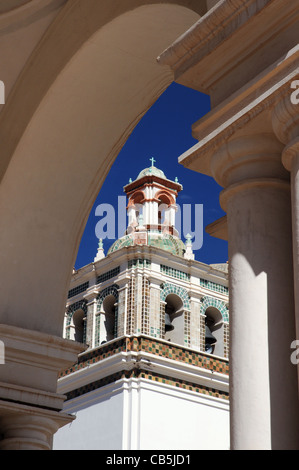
(195, 322)
(291, 161)
(285, 120)
(90, 316)
(30, 408)
(122, 307)
(263, 392)
(154, 307)
(29, 430)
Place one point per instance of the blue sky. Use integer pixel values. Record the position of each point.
(164, 133)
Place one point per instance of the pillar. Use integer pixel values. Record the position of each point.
(263, 393)
(30, 407)
(285, 120)
(29, 430)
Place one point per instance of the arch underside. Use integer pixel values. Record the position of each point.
(86, 86)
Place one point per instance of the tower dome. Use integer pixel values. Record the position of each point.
(166, 242)
(151, 171)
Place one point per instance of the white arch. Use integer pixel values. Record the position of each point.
(72, 139)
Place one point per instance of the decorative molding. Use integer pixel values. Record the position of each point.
(210, 31)
(212, 302)
(142, 374)
(290, 153)
(223, 122)
(285, 118)
(169, 288)
(157, 360)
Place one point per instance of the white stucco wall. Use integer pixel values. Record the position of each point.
(175, 419)
(98, 422)
(142, 414)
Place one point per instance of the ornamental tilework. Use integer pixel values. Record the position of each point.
(184, 385)
(121, 243)
(78, 290)
(121, 310)
(111, 290)
(174, 273)
(151, 346)
(145, 306)
(130, 326)
(168, 243)
(162, 319)
(212, 302)
(108, 275)
(214, 286)
(187, 336)
(167, 289)
(226, 339)
(139, 263)
(181, 354)
(202, 332)
(138, 374)
(80, 305)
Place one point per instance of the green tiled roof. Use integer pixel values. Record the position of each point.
(168, 243)
(165, 242)
(121, 243)
(151, 171)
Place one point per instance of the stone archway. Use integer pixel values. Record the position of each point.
(88, 82)
(92, 76)
(65, 144)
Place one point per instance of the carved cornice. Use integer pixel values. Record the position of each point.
(252, 105)
(209, 32)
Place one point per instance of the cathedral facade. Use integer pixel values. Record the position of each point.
(156, 325)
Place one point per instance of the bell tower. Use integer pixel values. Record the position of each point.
(156, 325)
(152, 203)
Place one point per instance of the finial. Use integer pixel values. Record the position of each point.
(153, 161)
(130, 180)
(189, 252)
(100, 253)
(176, 179)
(188, 239)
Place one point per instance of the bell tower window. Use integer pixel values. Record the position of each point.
(214, 332)
(174, 319)
(78, 325)
(108, 308)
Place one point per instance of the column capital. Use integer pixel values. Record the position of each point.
(30, 407)
(34, 359)
(29, 428)
(285, 118)
(289, 153)
(248, 157)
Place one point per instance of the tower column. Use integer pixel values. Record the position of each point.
(264, 402)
